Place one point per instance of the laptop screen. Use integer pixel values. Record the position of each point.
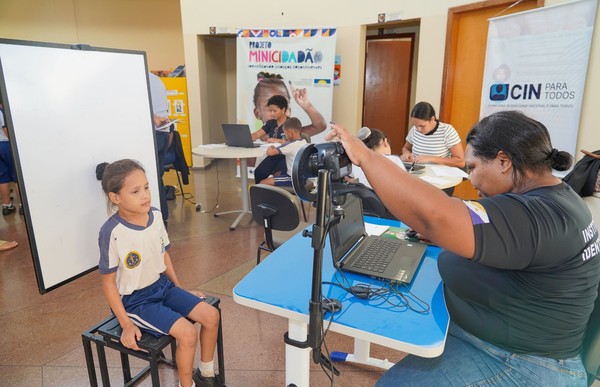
(238, 135)
(350, 229)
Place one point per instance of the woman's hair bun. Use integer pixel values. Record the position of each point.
(100, 170)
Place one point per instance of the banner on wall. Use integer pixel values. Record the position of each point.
(295, 63)
(536, 62)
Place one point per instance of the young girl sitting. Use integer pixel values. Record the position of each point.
(139, 281)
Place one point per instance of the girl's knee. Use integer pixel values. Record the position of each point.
(212, 317)
(185, 334)
(206, 315)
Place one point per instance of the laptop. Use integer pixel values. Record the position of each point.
(238, 135)
(376, 256)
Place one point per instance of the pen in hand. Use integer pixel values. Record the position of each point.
(412, 166)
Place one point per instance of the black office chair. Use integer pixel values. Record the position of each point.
(290, 189)
(278, 211)
(591, 343)
(372, 205)
(175, 159)
(590, 354)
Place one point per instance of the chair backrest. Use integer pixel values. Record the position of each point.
(591, 343)
(305, 137)
(281, 208)
(372, 205)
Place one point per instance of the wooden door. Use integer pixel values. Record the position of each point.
(387, 87)
(466, 42)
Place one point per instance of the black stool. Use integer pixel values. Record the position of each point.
(108, 334)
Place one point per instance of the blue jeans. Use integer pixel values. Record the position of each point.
(469, 361)
(162, 144)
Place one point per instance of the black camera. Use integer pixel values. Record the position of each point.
(332, 157)
(311, 158)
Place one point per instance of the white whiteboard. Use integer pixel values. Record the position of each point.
(69, 109)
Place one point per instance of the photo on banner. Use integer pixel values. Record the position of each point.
(296, 63)
(536, 62)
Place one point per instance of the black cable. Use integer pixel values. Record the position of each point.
(186, 196)
(367, 291)
(331, 371)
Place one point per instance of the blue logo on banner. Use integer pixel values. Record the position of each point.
(499, 92)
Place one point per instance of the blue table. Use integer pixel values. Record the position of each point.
(281, 285)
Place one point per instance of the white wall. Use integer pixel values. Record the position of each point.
(351, 17)
(153, 26)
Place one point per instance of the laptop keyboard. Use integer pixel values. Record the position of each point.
(377, 255)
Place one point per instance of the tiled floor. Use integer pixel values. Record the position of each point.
(41, 334)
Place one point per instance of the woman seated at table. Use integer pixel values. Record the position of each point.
(432, 141)
(376, 140)
(521, 265)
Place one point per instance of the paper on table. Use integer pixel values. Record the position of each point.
(168, 124)
(375, 229)
(215, 146)
(444, 170)
(434, 179)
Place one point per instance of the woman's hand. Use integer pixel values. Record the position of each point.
(355, 148)
(424, 159)
(407, 157)
(130, 337)
(159, 121)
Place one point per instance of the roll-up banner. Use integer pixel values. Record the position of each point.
(536, 62)
(296, 63)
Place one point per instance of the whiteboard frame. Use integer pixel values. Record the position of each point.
(69, 108)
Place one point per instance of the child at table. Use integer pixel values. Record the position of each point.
(138, 278)
(283, 177)
(377, 140)
(271, 131)
(269, 85)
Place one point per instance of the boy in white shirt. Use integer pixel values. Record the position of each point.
(291, 128)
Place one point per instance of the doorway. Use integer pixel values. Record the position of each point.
(389, 84)
(388, 72)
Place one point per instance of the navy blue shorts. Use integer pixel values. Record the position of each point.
(7, 167)
(156, 307)
(283, 180)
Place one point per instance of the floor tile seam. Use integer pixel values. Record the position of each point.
(64, 353)
(45, 302)
(241, 264)
(224, 232)
(187, 257)
(196, 285)
(110, 367)
(219, 275)
(215, 248)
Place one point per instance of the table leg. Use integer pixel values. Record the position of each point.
(297, 360)
(245, 206)
(361, 355)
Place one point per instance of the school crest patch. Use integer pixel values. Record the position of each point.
(132, 259)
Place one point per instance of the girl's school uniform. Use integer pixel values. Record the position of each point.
(136, 254)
